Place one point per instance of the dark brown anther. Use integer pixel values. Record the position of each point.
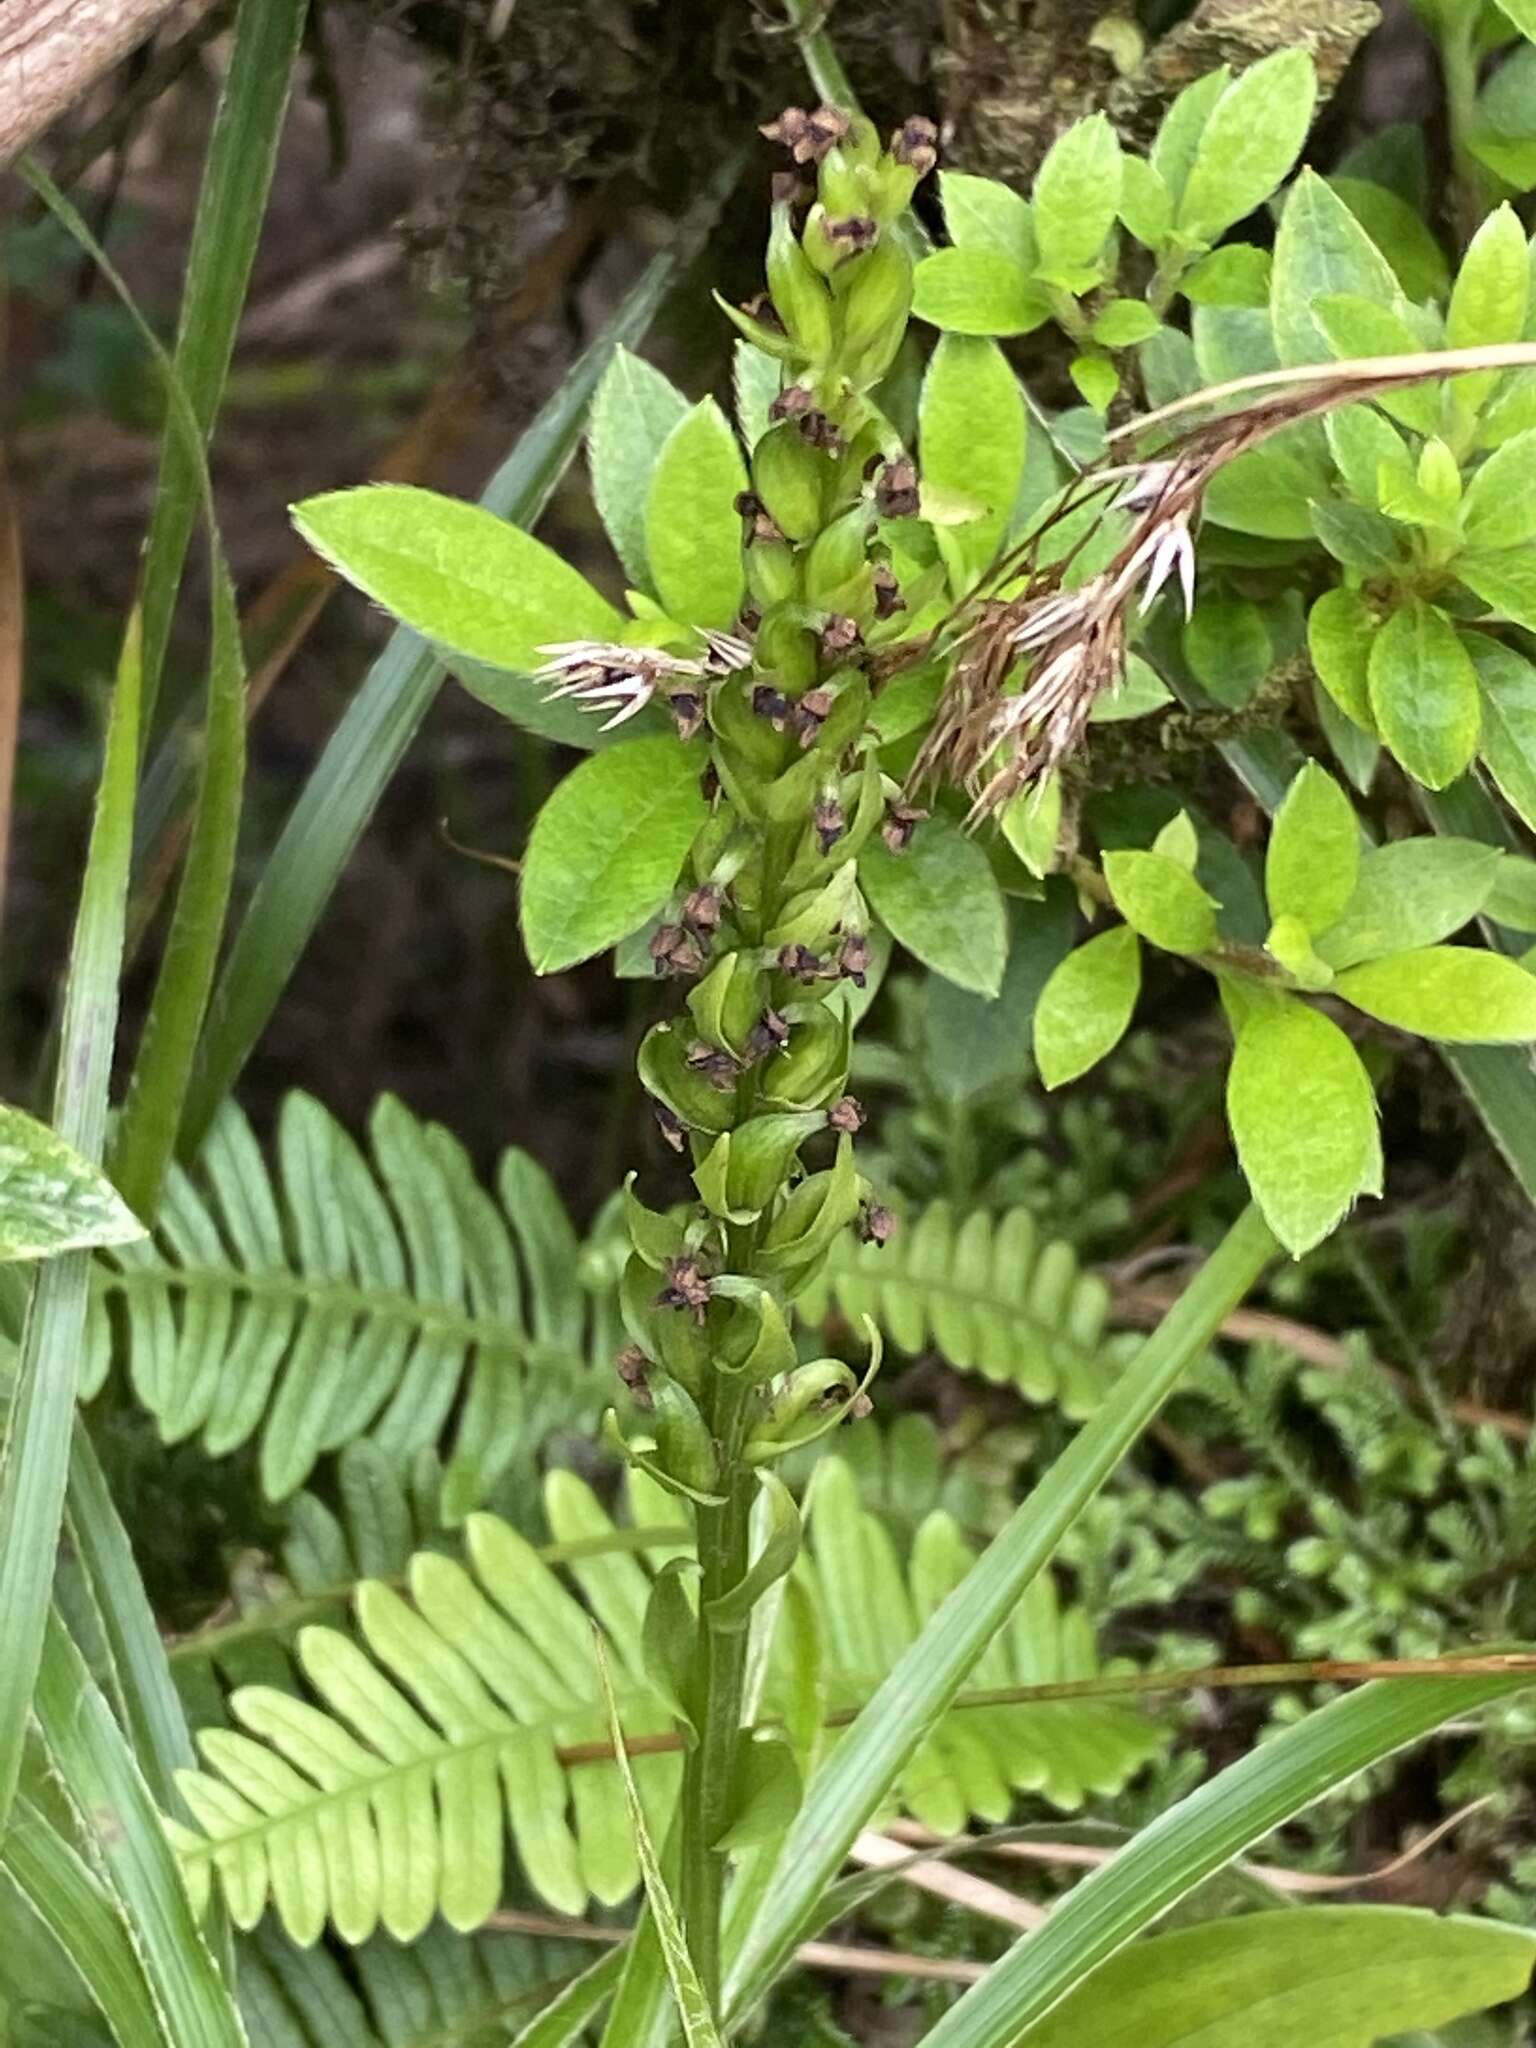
(675, 951)
(856, 231)
(828, 820)
(687, 708)
(749, 620)
(701, 910)
(769, 1034)
(709, 782)
(901, 821)
(840, 637)
(888, 597)
(770, 704)
(748, 504)
(854, 958)
(670, 1124)
(760, 524)
(801, 964)
(916, 144)
(718, 1068)
(896, 495)
(846, 1115)
(633, 1368)
(820, 432)
(876, 1224)
(686, 1287)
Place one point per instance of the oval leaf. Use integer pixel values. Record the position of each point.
(1249, 144)
(692, 527)
(971, 427)
(1456, 993)
(1314, 851)
(1158, 897)
(51, 1199)
(1424, 694)
(456, 573)
(977, 291)
(941, 901)
(606, 849)
(634, 411)
(1414, 892)
(1086, 1005)
(1303, 1120)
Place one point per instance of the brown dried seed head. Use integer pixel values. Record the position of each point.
(786, 188)
(807, 137)
(847, 1114)
(792, 402)
(840, 636)
(801, 964)
(896, 493)
(718, 1068)
(888, 597)
(633, 1368)
(808, 714)
(877, 1224)
(685, 1287)
(855, 230)
(687, 708)
(916, 144)
(701, 909)
(675, 951)
(769, 1034)
(828, 820)
(901, 821)
(770, 704)
(670, 1125)
(854, 958)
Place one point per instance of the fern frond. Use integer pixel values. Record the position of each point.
(439, 1992)
(448, 1720)
(989, 1296)
(346, 1296)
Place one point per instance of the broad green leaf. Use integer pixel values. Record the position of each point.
(1031, 824)
(1508, 684)
(1178, 139)
(1303, 1120)
(971, 434)
(1320, 249)
(1512, 408)
(51, 1199)
(607, 848)
(1356, 752)
(692, 527)
(1096, 378)
(1488, 299)
(1077, 194)
(1227, 646)
(1424, 694)
(1412, 892)
(941, 901)
(1125, 322)
(1456, 993)
(1401, 234)
(1323, 1977)
(1341, 631)
(1505, 579)
(1314, 851)
(980, 213)
(977, 291)
(634, 411)
(1512, 899)
(1359, 538)
(1146, 206)
(1500, 504)
(1364, 444)
(1269, 491)
(971, 1042)
(1237, 274)
(1358, 326)
(1161, 899)
(1248, 145)
(1086, 1005)
(455, 573)
(1141, 691)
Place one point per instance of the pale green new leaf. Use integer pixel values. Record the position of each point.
(607, 848)
(981, 213)
(1488, 299)
(1076, 194)
(1320, 249)
(692, 527)
(1085, 1007)
(977, 290)
(51, 1199)
(1402, 235)
(1424, 694)
(1324, 1977)
(1456, 993)
(1500, 504)
(755, 379)
(467, 581)
(941, 901)
(971, 429)
(1314, 851)
(1413, 892)
(1178, 139)
(634, 410)
(1161, 899)
(1341, 631)
(1249, 143)
(1505, 579)
(1303, 1119)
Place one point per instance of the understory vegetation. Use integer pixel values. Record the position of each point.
(959, 1465)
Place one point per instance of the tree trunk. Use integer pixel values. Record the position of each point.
(53, 51)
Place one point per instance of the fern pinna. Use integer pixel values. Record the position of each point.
(344, 1295)
(467, 1708)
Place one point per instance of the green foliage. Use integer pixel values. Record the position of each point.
(989, 1296)
(634, 410)
(346, 1297)
(939, 899)
(51, 1199)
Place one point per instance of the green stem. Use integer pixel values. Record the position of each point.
(1458, 60)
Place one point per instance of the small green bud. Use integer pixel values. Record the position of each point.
(787, 475)
(812, 1070)
(800, 298)
(1440, 474)
(773, 573)
(684, 1448)
(691, 1095)
(727, 1003)
(877, 299)
(744, 1169)
(679, 1343)
(838, 563)
(786, 650)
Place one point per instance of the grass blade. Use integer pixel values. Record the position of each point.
(78, 1913)
(566, 2018)
(909, 1702)
(382, 719)
(35, 1458)
(1198, 1836)
(91, 1762)
(231, 205)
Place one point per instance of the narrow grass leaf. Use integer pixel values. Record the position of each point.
(564, 2021)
